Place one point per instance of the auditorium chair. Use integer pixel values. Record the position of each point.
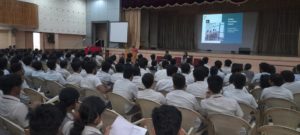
(146, 123)
(297, 100)
(256, 93)
(53, 88)
(283, 117)
(277, 130)
(38, 84)
(29, 81)
(147, 106)
(229, 125)
(35, 96)
(10, 127)
(277, 102)
(90, 92)
(77, 88)
(108, 117)
(250, 113)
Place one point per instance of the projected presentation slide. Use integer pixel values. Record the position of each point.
(222, 28)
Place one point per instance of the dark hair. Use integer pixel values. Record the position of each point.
(76, 65)
(166, 120)
(264, 67)
(205, 60)
(90, 66)
(218, 64)
(276, 79)
(239, 80)
(165, 64)
(105, 66)
(153, 56)
(189, 60)
(272, 69)
(136, 71)
(3, 63)
(214, 71)
(63, 64)
(128, 73)
(148, 80)
(90, 109)
(153, 65)
(215, 84)
(236, 68)
(171, 70)
(247, 66)
(27, 60)
(200, 73)
(121, 60)
(288, 76)
(185, 68)
(179, 81)
(14, 60)
(173, 62)
(227, 63)
(119, 68)
(37, 65)
(67, 97)
(16, 67)
(45, 120)
(143, 62)
(264, 81)
(51, 64)
(8, 82)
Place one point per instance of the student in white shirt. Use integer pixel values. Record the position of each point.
(290, 83)
(45, 120)
(276, 90)
(90, 120)
(38, 70)
(185, 70)
(238, 94)
(3, 65)
(199, 87)
(63, 69)
(125, 87)
(91, 81)
(227, 66)
(75, 78)
(27, 60)
(236, 68)
(218, 65)
(153, 58)
(179, 97)
(190, 62)
(162, 74)
(247, 71)
(137, 79)
(166, 84)
(143, 66)
(10, 105)
(205, 62)
(264, 68)
(119, 73)
(216, 102)
(52, 74)
(103, 73)
(149, 93)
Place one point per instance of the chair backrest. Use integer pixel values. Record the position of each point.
(89, 92)
(248, 111)
(53, 87)
(256, 92)
(148, 124)
(73, 86)
(29, 81)
(191, 119)
(108, 117)
(278, 102)
(147, 106)
(119, 103)
(38, 83)
(297, 99)
(35, 96)
(277, 130)
(283, 117)
(228, 125)
(11, 127)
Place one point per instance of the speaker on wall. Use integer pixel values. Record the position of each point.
(51, 38)
(246, 51)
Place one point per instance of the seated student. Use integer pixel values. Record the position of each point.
(162, 74)
(125, 87)
(264, 82)
(185, 70)
(236, 68)
(189, 61)
(137, 79)
(179, 97)
(247, 71)
(27, 60)
(89, 121)
(290, 83)
(52, 74)
(153, 58)
(10, 105)
(38, 70)
(238, 94)
(167, 120)
(17, 68)
(296, 71)
(3, 65)
(276, 91)
(167, 83)
(205, 62)
(75, 78)
(143, 66)
(91, 81)
(45, 120)
(149, 93)
(218, 65)
(227, 66)
(119, 73)
(216, 102)
(199, 87)
(63, 69)
(103, 73)
(153, 67)
(231, 85)
(263, 69)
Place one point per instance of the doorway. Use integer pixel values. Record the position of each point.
(100, 33)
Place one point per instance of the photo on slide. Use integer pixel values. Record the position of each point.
(214, 31)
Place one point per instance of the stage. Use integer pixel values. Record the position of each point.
(281, 63)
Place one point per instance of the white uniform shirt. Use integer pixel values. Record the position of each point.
(39, 74)
(256, 78)
(277, 92)
(144, 71)
(74, 79)
(227, 77)
(126, 89)
(226, 70)
(187, 81)
(65, 73)
(88, 130)
(6, 72)
(231, 86)
(160, 74)
(165, 85)
(137, 80)
(83, 73)
(221, 74)
(198, 89)
(116, 76)
(220, 104)
(28, 70)
(294, 87)
(241, 96)
(152, 95)
(103, 76)
(55, 76)
(13, 109)
(91, 81)
(183, 99)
